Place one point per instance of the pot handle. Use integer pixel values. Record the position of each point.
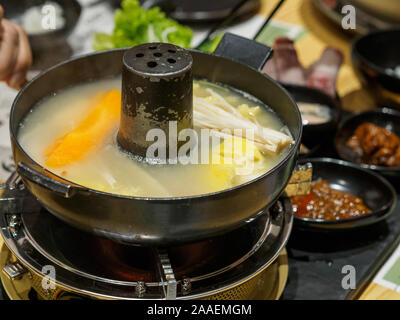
(247, 51)
(27, 172)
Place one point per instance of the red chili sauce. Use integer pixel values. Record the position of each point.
(326, 203)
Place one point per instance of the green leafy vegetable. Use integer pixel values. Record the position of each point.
(135, 25)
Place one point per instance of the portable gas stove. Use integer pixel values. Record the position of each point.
(44, 258)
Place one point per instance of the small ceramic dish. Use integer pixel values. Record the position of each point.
(386, 118)
(376, 58)
(315, 135)
(71, 10)
(376, 192)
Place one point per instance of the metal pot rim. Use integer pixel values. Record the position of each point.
(293, 148)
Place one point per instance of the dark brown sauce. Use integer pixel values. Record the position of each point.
(326, 203)
(375, 145)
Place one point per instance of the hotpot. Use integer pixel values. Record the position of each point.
(160, 221)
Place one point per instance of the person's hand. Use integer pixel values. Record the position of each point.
(15, 53)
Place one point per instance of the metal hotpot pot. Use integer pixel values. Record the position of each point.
(160, 221)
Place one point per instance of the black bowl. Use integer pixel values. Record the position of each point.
(39, 41)
(374, 56)
(314, 135)
(386, 118)
(376, 192)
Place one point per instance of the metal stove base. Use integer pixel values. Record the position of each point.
(269, 285)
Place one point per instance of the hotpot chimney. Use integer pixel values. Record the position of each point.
(157, 88)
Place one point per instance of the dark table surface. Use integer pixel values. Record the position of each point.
(3, 295)
(316, 260)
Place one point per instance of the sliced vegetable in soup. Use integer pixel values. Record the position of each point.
(73, 134)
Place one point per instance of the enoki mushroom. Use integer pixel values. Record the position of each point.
(216, 113)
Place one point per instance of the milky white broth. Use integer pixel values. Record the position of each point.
(111, 170)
